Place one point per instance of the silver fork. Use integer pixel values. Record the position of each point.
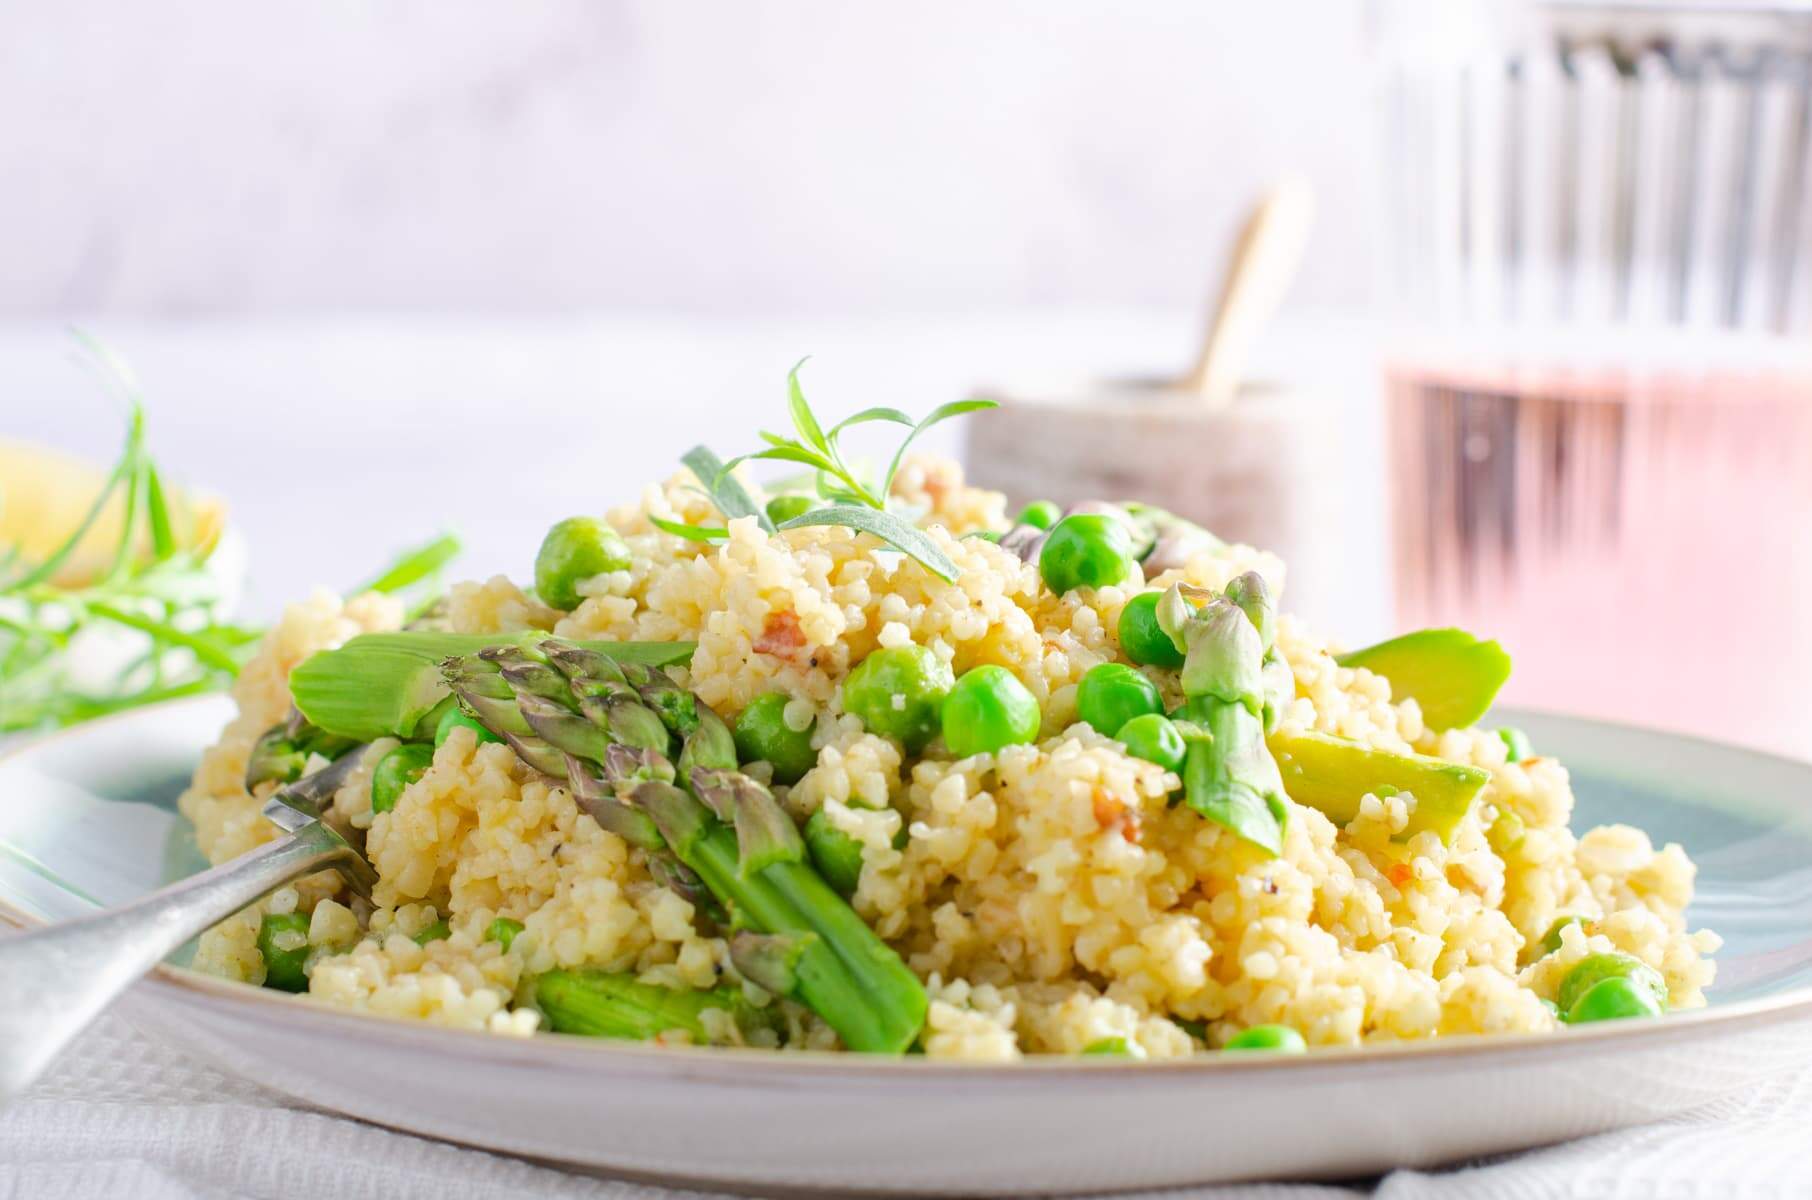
(54, 981)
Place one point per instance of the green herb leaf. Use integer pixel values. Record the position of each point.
(872, 414)
(943, 412)
(157, 513)
(413, 565)
(804, 420)
(726, 490)
(798, 454)
(893, 530)
(692, 533)
(829, 488)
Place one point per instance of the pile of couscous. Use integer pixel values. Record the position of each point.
(1050, 893)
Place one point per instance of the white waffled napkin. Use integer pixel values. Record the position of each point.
(122, 1115)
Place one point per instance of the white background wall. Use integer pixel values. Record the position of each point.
(366, 256)
(218, 156)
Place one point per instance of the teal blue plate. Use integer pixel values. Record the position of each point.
(88, 818)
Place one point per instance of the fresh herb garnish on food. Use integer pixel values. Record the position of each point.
(852, 500)
(692, 533)
(93, 624)
(726, 490)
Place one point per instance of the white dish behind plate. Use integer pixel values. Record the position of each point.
(88, 817)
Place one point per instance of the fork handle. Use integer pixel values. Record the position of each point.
(54, 981)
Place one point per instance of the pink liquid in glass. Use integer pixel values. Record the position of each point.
(1640, 542)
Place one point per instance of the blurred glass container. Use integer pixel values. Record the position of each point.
(1600, 409)
(1569, 162)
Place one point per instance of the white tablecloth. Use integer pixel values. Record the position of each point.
(124, 1116)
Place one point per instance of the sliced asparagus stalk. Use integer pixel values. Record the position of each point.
(1450, 674)
(617, 1005)
(1334, 774)
(836, 854)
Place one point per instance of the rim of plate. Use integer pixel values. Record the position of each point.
(183, 984)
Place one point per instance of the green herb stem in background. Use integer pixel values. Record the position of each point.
(154, 588)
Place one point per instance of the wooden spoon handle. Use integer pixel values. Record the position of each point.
(1264, 260)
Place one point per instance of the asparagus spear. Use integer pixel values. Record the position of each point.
(1277, 683)
(617, 1005)
(609, 728)
(1451, 675)
(385, 684)
(1333, 774)
(1228, 773)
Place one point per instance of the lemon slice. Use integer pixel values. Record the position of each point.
(44, 494)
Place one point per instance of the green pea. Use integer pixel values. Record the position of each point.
(1117, 1047)
(396, 771)
(1550, 941)
(284, 963)
(1588, 971)
(836, 854)
(1553, 1008)
(782, 509)
(1141, 639)
(503, 931)
(454, 719)
(575, 549)
(439, 931)
(988, 709)
(1268, 1037)
(762, 735)
(1517, 743)
(898, 692)
(1112, 694)
(1041, 514)
(1612, 999)
(1085, 550)
(1154, 738)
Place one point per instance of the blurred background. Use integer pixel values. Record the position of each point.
(1534, 365)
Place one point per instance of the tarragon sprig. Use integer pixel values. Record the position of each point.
(853, 501)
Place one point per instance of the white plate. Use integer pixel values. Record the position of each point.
(88, 817)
